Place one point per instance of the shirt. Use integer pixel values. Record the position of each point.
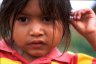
(10, 56)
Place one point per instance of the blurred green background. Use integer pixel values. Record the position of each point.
(78, 43)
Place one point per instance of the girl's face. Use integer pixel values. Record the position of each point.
(35, 34)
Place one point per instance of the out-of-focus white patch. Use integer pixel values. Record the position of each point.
(79, 4)
(1, 1)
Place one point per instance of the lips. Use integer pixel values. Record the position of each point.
(36, 44)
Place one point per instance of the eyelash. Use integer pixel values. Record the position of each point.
(48, 19)
(23, 19)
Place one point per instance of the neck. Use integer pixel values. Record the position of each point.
(28, 57)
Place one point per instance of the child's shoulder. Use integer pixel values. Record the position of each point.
(7, 55)
(81, 58)
(4, 49)
(76, 58)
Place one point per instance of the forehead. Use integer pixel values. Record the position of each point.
(32, 7)
(32, 4)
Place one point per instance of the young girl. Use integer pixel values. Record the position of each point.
(31, 30)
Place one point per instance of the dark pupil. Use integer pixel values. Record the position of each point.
(49, 18)
(23, 19)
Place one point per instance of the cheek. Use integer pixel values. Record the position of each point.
(58, 32)
(19, 35)
(57, 38)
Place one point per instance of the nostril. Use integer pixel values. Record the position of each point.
(36, 33)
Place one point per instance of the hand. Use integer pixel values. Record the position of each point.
(84, 21)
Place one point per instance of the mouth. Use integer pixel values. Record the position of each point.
(36, 44)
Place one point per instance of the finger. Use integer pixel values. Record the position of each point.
(89, 11)
(76, 15)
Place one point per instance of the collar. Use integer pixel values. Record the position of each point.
(55, 55)
(5, 47)
(65, 57)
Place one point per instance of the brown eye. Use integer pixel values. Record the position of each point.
(23, 19)
(48, 19)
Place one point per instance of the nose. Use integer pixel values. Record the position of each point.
(36, 30)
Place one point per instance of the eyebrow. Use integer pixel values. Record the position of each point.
(25, 13)
(31, 15)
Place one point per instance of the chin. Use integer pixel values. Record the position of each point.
(39, 54)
